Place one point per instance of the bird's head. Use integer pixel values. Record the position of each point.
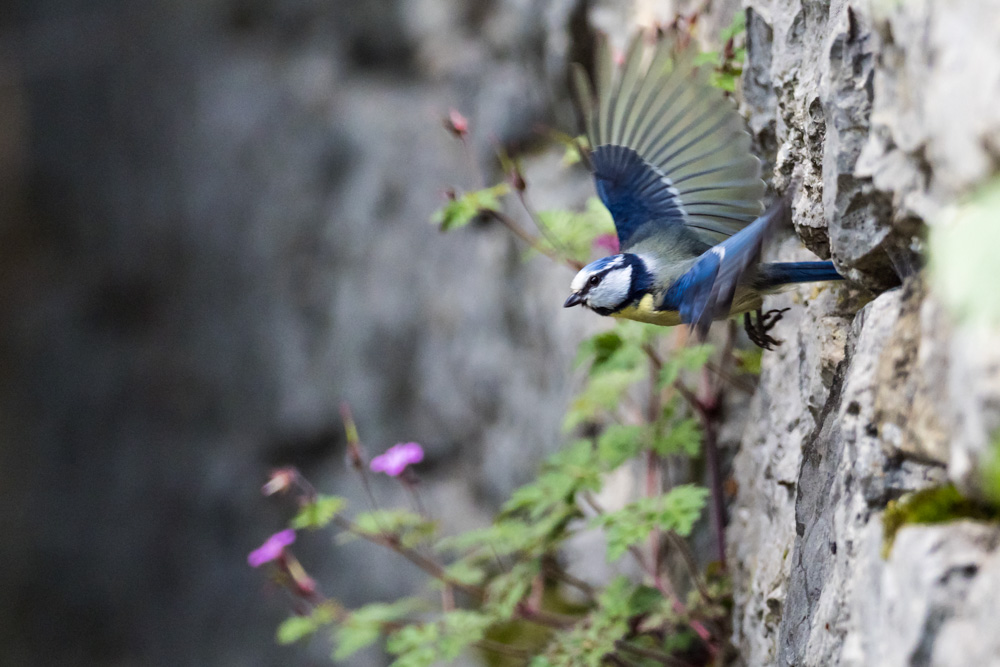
(610, 283)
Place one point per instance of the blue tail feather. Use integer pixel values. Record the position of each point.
(784, 273)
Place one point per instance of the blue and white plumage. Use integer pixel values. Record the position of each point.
(672, 163)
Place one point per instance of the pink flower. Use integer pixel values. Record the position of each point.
(272, 549)
(607, 242)
(456, 123)
(281, 480)
(396, 458)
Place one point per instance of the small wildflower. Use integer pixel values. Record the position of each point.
(457, 124)
(281, 479)
(396, 458)
(606, 242)
(272, 549)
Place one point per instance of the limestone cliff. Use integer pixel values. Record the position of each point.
(882, 109)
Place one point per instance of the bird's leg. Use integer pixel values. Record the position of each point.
(757, 331)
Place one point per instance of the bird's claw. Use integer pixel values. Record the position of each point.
(757, 331)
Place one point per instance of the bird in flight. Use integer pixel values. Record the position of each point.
(671, 161)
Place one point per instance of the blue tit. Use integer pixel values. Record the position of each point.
(671, 162)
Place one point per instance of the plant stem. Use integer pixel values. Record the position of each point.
(428, 565)
(690, 564)
(706, 407)
(710, 400)
(542, 229)
(658, 656)
(547, 618)
(473, 162)
(556, 572)
(532, 241)
(502, 649)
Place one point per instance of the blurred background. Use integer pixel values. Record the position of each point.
(214, 228)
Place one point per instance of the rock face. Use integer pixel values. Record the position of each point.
(878, 109)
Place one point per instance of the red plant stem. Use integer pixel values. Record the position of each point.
(656, 656)
(542, 229)
(532, 241)
(428, 565)
(654, 472)
(473, 162)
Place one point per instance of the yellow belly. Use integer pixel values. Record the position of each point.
(644, 312)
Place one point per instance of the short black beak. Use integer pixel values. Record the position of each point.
(573, 300)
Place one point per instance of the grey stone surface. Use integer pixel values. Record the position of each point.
(867, 104)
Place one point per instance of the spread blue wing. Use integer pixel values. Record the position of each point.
(667, 147)
(705, 292)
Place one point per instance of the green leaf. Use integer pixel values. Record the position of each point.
(736, 28)
(572, 145)
(424, 644)
(549, 503)
(318, 513)
(352, 637)
(409, 528)
(506, 536)
(644, 599)
(296, 628)
(586, 644)
(726, 79)
(991, 471)
(574, 231)
(749, 360)
(677, 511)
(414, 645)
(963, 259)
(620, 443)
(685, 359)
(508, 589)
(464, 208)
(461, 629)
(386, 612)
(602, 394)
(680, 437)
(466, 572)
(364, 625)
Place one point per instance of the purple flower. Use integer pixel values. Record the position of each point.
(606, 242)
(396, 458)
(272, 548)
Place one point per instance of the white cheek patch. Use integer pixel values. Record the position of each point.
(613, 290)
(594, 268)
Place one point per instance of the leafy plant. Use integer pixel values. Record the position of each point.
(648, 404)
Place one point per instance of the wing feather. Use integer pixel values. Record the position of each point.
(667, 147)
(706, 291)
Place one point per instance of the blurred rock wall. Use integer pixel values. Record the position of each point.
(887, 113)
(216, 229)
(213, 229)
